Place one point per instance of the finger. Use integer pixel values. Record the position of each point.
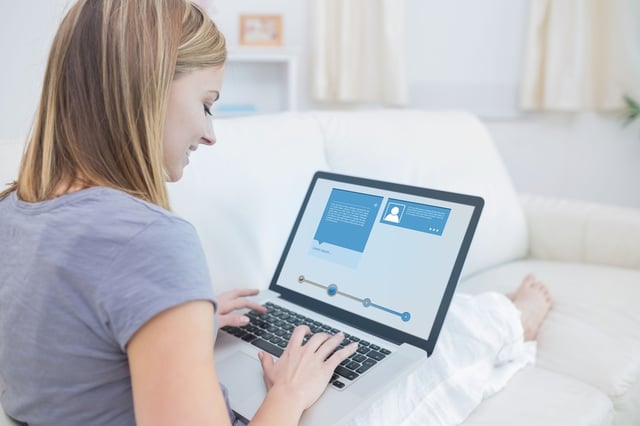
(340, 355)
(241, 303)
(298, 336)
(235, 320)
(329, 345)
(320, 340)
(267, 363)
(253, 306)
(231, 305)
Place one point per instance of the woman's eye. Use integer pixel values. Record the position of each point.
(207, 110)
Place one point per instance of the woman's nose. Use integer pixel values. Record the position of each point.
(209, 137)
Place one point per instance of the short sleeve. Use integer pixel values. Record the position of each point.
(160, 267)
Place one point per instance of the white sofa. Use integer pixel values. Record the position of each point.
(242, 195)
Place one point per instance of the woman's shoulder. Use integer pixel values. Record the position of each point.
(112, 207)
(106, 219)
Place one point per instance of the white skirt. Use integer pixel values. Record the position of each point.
(480, 348)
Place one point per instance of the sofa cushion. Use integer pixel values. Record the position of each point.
(440, 150)
(593, 331)
(536, 396)
(243, 194)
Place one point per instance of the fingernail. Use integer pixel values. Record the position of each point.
(244, 320)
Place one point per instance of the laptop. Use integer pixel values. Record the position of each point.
(376, 260)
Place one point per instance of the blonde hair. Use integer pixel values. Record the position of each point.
(101, 114)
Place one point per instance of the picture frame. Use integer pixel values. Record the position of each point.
(261, 30)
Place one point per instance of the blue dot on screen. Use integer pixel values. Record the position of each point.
(332, 290)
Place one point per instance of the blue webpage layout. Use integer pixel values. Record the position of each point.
(380, 254)
(345, 226)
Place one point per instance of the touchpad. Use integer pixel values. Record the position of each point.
(242, 375)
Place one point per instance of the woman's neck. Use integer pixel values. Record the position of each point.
(67, 187)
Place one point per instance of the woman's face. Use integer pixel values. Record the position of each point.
(188, 120)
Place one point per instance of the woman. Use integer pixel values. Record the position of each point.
(106, 309)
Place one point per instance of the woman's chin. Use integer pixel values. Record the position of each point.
(173, 175)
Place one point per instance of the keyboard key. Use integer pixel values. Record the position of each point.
(369, 362)
(269, 347)
(363, 350)
(248, 337)
(363, 368)
(346, 373)
(374, 347)
(385, 351)
(275, 340)
(338, 384)
(376, 355)
(364, 343)
(353, 365)
(358, 358)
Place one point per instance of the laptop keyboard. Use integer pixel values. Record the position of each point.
(271, 332)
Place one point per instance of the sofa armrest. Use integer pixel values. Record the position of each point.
(575, 231)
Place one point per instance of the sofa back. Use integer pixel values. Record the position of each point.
(243, 194)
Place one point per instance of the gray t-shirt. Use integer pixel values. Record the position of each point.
(79, 275)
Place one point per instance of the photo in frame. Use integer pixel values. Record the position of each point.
(261, 30)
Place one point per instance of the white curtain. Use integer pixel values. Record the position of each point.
(582, 55)
(359, 51)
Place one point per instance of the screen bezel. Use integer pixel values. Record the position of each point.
(370, 326)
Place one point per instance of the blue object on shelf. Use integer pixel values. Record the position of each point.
(236, 109)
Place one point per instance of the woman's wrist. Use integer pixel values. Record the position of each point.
(293, 397)
(281, 406)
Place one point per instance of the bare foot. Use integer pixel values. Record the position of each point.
(528, 279)
(533, 300)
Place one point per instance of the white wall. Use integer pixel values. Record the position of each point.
(26, 32)
(463, 54)
(585, 156)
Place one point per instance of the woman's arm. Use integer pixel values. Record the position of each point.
(172, 369)
(300, 376)
(174, 381)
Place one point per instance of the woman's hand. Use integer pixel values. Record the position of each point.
(303, 372)
(233, 300)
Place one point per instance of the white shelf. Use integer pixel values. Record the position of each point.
(259, 80)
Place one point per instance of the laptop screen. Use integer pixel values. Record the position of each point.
(383, 257)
